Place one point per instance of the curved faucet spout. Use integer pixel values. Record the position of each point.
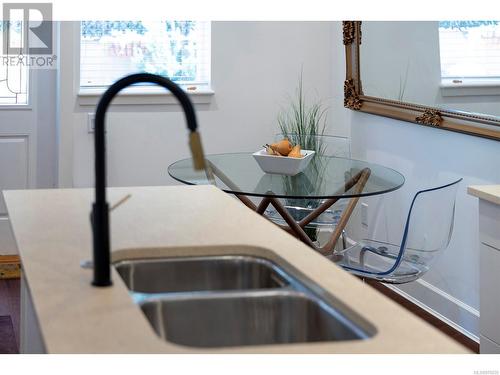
(100, 210)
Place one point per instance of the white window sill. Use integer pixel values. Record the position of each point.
(143, 95)
(470, 87)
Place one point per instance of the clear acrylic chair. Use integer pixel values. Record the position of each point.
(426, 234)
(326, 145)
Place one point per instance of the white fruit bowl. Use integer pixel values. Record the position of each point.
(283, 164)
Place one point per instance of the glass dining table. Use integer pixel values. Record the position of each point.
(326, 180)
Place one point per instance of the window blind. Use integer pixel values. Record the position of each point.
(470, 49)
(179, 50)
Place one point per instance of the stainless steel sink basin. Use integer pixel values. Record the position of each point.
(188, 274)
(233, 300)
(254, 318)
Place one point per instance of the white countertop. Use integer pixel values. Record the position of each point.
(490, 193)
(53, 234)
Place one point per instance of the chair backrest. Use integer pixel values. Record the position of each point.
(327, 145)
(428, 228)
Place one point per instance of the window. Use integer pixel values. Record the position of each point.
(13, 78)
(470, 51)
(179, 50)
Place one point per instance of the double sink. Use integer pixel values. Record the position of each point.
(235, 300)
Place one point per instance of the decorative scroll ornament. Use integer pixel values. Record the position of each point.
(348, 28)
(430, 117)
(351, 98)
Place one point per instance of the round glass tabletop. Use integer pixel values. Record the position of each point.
(325, 177)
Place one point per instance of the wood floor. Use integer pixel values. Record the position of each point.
(9, 315)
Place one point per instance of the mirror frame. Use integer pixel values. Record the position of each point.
(446, 119)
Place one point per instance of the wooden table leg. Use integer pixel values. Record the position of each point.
(231, 185)
(358, 181)
(329, 202)
(360, 184)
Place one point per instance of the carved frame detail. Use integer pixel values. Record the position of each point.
(430, 117)
(348, 29)
(351, 98)
(444, 119)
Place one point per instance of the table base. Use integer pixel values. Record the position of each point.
(295, 228)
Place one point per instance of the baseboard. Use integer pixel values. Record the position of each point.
(10, 267)
(442, 305)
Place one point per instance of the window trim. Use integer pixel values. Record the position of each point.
(138, 95)
(16, 107)
(143, 95)
(470, 87)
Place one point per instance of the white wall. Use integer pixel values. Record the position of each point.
(451, 288)
(255, 65)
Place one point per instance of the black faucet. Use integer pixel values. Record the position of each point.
(100, 210)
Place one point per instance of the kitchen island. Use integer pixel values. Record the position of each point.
(489, 264)
(63, 313)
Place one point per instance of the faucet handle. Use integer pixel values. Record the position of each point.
(196, 151)
(120, 202)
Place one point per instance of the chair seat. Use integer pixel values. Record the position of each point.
(376, 260)
(431, 215)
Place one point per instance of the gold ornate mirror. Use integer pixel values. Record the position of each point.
(406, 71)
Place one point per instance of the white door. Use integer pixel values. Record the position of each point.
(27, 137)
